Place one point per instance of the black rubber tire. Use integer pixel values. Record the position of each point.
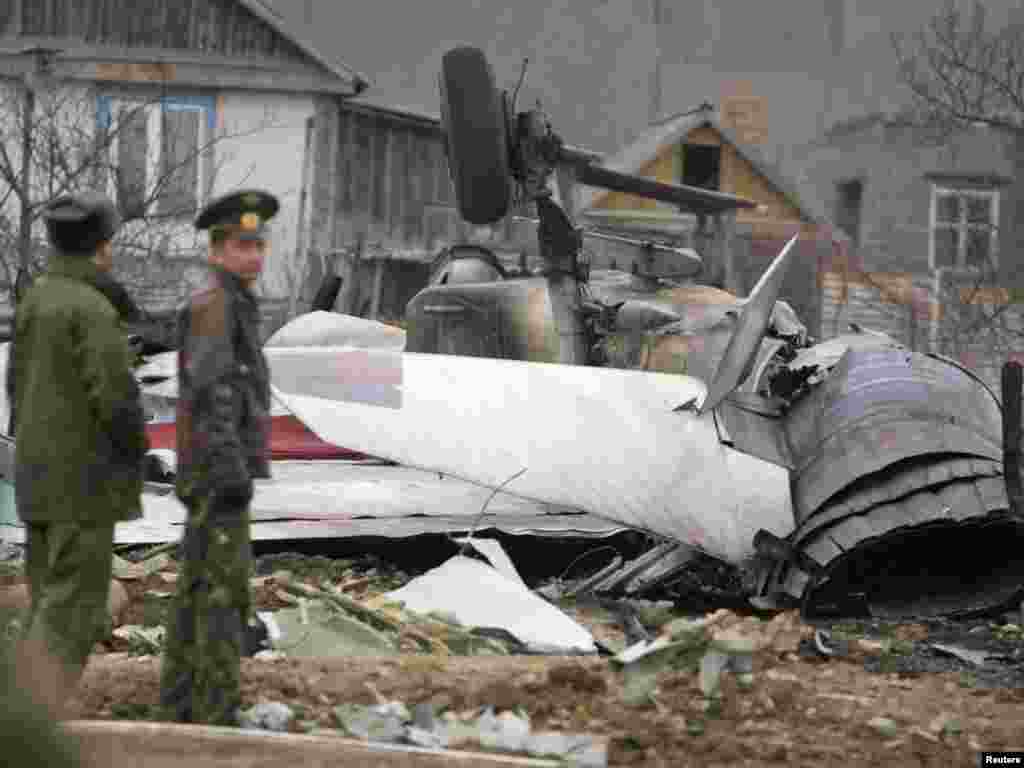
(327, 294)
(473, 116)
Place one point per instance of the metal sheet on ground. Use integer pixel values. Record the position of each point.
(546, 526)
(339, 499)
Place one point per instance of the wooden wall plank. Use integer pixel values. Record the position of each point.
(379, 173)
(396, 169)
(363, 147)
(346, 163)
(415, 185)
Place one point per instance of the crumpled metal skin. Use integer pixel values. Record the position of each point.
(880, 406)
(222, 429)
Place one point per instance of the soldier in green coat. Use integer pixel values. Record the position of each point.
(28, 722)
(223, 424)
(80, 430)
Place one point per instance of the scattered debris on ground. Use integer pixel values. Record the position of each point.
(673, 683)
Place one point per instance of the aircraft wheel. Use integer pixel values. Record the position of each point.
(473, 117)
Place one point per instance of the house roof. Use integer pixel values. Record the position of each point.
(377, 103)
(634, 157)
(289, 30)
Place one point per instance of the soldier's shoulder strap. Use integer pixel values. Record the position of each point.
(207, 334)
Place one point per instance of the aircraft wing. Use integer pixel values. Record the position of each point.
(610, 442)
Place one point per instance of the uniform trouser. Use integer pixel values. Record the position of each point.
(32, 737)
(68, 566)
(200, 678)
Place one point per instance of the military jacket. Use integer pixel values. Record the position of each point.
(223, 417)
(79, 422)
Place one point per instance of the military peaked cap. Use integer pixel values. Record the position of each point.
(243, 214)
(81, 222)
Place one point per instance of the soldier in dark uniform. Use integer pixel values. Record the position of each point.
(222, 426)
(80, 431)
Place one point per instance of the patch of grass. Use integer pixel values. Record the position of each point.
(888, 664)
(900, 647)
(132, 711)
(846, 632)
(11, 571)
(632, 744)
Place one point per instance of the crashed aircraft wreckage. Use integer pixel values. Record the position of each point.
(845, 475)
(850, 474)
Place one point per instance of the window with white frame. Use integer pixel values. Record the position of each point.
(964, 228)
(159, 150)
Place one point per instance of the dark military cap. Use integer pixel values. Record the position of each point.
(79, 223)
(243, 214)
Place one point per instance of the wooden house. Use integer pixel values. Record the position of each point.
(204, 96)
(697, 149)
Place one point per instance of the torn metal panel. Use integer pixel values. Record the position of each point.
(578, 526)
(635, 567)
(827, 354)
(895, 482)
(664, 569)
(971, 507)
(339, 490)
(755, 431)
(878, 407)
(823, 550)
(757, 381)
(479, 595)
(738, 360)
(338, 499)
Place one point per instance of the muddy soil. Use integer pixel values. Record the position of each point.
(799, 712)
(803, 709)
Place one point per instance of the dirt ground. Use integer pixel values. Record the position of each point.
(803, 707)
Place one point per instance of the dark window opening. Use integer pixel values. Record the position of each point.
(132, 147)
(701, 165)
(179, 161)
(850, 197)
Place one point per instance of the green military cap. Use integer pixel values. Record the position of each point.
(82, 221)
(243, 214)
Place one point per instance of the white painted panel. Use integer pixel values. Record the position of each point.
(606, 441)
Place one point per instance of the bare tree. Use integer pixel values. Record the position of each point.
(964, 75)
(70, 149)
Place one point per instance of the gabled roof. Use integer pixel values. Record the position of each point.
(634, 157)
(286, 29)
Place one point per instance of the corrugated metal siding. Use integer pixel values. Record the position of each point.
(220, 27)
